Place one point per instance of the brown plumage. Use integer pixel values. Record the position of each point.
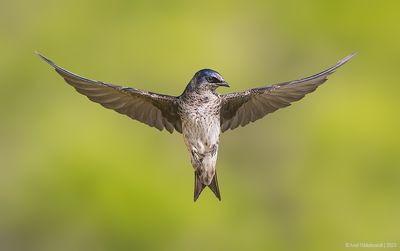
(200, 113)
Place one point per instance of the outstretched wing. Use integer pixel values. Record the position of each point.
(155, 110)
(241, 108)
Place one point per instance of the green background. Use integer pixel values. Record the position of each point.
(315, 176)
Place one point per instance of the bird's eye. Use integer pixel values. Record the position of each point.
(212, 80)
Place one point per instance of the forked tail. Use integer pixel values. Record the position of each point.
(198, 186)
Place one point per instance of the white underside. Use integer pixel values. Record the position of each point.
(201, 136)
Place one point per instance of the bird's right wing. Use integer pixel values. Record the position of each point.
(241, 108)
(156, 110)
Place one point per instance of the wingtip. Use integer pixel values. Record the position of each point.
(45, 59)
(354, 53)
(341, 62)
(40, 55)
(347, 58)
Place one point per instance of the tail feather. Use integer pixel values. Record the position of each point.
(199, 186)
(214, 186)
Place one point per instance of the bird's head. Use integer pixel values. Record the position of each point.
(207, 79)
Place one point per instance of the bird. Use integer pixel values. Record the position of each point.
(200, 114)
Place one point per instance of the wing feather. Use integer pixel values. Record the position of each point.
(241, 108)
(156, 110)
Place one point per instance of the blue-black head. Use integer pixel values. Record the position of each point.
(209, 78)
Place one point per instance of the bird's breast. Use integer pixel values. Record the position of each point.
(201, 132)
(199, 127)
(200, 121)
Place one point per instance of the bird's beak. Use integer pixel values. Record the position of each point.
(225, 84)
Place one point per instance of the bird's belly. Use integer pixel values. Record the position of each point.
(201, 133)
(201, 137)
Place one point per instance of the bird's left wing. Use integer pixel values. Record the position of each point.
(156, 110)
(241, 108)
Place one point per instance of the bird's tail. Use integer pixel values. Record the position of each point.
(199, 186)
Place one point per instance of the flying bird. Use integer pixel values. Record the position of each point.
(199, 113)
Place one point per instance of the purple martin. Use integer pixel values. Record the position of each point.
(199, 113)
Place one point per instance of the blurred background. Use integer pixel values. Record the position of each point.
(315, 176)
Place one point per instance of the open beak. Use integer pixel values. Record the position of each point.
(225, 84)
